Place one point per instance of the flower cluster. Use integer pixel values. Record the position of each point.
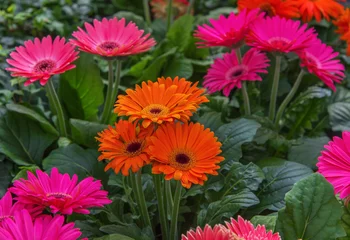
(343, 28)
(158, 132)
(57, 193)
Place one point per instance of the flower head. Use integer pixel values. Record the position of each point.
(124, 146)
(343, 23)
(243, 229)
(282, 35)
(283, 8)
(319, 59)
(159, 7)
(42, 228)
(8, 208)
(228, 73)
(111, 38)
(319, 8)
(227, 32)
(185, 152)
(159, 102)
(39, 60)
(218, 232)
(60, 192)
(334, 164)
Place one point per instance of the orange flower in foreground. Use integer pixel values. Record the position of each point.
(160, 102)
(185, 152)
(124, 146)
(343, 23)
(283, 8)
(320, 8)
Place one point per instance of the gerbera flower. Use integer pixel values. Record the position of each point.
(283, 8)
(244, 229)
(227, 32)
(111, 38)
(124, 146)
(23, 227)
(225, 74)
(334, 164)
(60, 192)
(159, 7)
(7, 208)
(319, 8)
(343, 23)
(280, 35)
(185, 152)
(39, 60)
(319, 60)
(157, 102)
(218, 232)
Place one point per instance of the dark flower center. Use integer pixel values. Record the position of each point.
(182, 158)
(2, 218)
(44, 66)
(59, 195)
(155, 110)
(108, 46)
(268, 9)
(133, 147)
(237, 73)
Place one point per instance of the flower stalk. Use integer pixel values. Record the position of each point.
(276, 78)
(106, 109)
(157, 179)
(169, 14)
(175, 212)
(142, 200)
(147, 12)
(244, 85)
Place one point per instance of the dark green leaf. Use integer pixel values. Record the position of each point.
(84, 132)
(131, 231)
(179, 33)
(5, 178)
(211, 120)
(268, 221)
(178, 66)
(339, 115)
(114, 237)
(345, 220)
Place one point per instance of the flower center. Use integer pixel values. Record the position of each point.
(59, 195)
(268, 9)
(108, 46)
(155, 110)
(311, 60)
(44, 66)
(2, 218)
(279, 42)
(236, 72)
(182, 159)
(134, 148)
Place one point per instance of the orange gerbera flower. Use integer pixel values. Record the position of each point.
(124, 146)
(343, 23)
(160, 102)
(185, 152)
(283, 8)
(159, 8)
(317, 8)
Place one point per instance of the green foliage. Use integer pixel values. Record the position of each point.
(84, 132)
(268, 221)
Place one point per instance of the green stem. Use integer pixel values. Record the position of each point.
(128, 197)
(53, 97)
(190, 6)
(244, 85)
(147, 12)
(175, 213)
(169, 13)
(161, 207)
(106, 109)
(142, 203)
(116, 84)
(289, 97)
(274, 91)
(169, 197)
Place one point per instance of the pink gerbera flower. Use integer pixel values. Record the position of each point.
(22, 227)
(334, 164)
(277, 34)
(218, 232)
(319, 60)
(111, 38)
(60, 192)
(39, 60)
(227, 73)
(245, 230)
(227, 32)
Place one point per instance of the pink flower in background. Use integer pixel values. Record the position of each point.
(334, 164)
(218, 232)
(226, 74)
(243, 229)
(23, 227)
(60, 192)
(277, 34)
(111, 38)
(319, 60)
(227, 32)
(39, 60)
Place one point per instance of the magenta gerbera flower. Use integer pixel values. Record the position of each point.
(334, 164)
(60, 192)
(24, 227)
(111, 38)
(277, 34)
(218, 232)
(39, 60)
(243, 229)
(227, 32)
(319, 60)
(227, 73)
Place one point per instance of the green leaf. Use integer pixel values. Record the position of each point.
(307, 151)
(269, 221)
(44, 123)
(22, 139)
(131, 231)
(312, 212)
(211, 120)
(345, 221)
(178, 66)
(24, 172)
(81, 89)
(114, 237)
(5, 178)
(180, 32)
(339, 116)
(84, 132)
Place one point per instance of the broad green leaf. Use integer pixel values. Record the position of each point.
(345, 220)
(180, 33)
(312, 212)
(5, 177)
(23, 173)
(339, 116)
(132, 231)
(22, 139)
(44, 123)
(211, 120)
(84, 132)
(178, 66)
(114, 237)
(268, 221)
(81, 89)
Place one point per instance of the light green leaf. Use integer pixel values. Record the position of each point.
(268, 221)
(180, 32)
(84, 132)
(178, 66)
